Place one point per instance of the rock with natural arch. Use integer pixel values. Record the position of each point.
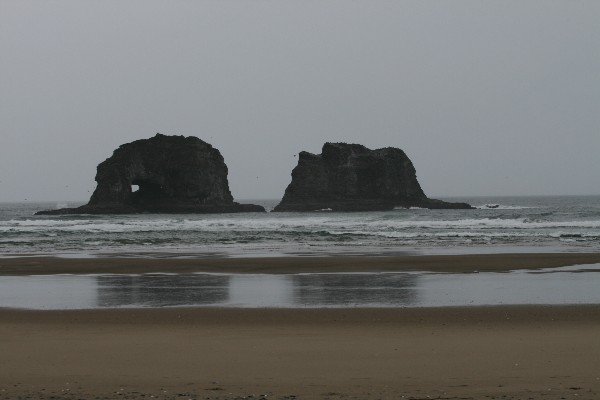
(174, 174)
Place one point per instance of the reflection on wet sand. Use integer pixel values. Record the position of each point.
(161, 290)
(312, 290)
(301, 290)
(344, 290)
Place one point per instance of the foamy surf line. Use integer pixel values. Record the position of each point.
(308, 224)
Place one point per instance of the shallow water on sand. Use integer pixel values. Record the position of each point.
(570, 285)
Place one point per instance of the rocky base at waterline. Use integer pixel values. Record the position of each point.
(351, 177)
(175, 174)
(165, 209)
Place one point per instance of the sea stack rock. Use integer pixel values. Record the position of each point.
(351, 177)
(174, 174)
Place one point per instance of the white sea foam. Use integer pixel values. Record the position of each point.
(440, 234)
(502, 207)
(310, 224)
(563, 221)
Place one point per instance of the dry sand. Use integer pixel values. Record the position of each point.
(479, 352)
(508, 352)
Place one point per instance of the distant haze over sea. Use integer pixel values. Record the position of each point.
(495, 97)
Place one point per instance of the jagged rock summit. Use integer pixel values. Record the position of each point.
(175, 174)
(351, 177)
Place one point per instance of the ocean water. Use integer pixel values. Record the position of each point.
(499, 224)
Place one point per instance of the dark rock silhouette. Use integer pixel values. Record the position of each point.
(175, 174)
(351, 177)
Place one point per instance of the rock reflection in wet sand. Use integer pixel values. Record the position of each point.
(346, 290)
(260, 290)
(161, 290)
(299, 290)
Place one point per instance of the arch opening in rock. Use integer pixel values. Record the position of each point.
(150, 192)
(163, 174)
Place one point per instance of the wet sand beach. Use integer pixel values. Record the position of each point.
(286, 265)
(502, 352)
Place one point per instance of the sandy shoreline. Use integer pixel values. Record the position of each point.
(279, 265)
(480, 352)
(508, 352)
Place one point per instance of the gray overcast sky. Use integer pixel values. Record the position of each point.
(486, 97)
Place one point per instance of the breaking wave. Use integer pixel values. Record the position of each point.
(346, 223)
(536, 222)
